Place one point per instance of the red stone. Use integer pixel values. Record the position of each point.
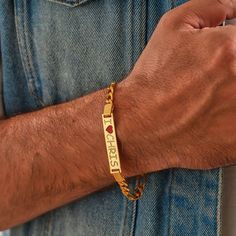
(109, 129)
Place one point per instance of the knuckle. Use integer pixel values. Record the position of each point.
(228, 3)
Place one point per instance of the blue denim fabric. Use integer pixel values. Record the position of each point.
(5, 233)
(56, 50)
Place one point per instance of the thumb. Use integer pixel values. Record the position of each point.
(205, 13)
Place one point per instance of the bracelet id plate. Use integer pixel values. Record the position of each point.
(111, 144)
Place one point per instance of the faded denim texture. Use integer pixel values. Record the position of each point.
(57, 50)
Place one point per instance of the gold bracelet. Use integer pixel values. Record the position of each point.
(113, 152)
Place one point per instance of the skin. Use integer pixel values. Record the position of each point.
(178, 103)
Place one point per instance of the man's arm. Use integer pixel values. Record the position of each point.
(175, 109)
(55, 155)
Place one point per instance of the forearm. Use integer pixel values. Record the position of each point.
(55, 155)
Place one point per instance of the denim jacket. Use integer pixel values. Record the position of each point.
(57, 50)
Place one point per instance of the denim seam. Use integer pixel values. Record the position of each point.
(219, 202)
(143, 26)
(131, 39)
(134, 218)
(49, 225)
(173, 3)
(124, 216)
(132, 33)
(2, 105)
(27, 64)
(19, 41)
(32, 81)
(170, 200)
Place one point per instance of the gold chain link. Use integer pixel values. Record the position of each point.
(110, 92)
(113, 153)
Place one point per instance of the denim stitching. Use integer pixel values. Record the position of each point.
(143, 33)
(33, 78)
(49, 224)
(171, 173)
(124, 217)
(130, 37)
(219, 203)
(19, 41)
(24, 53)
(2, 109)
(173, 3)
(134, 216)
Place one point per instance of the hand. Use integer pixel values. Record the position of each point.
(182, 106)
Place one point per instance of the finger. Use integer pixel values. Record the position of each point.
(205, 13)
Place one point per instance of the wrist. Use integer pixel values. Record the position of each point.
(142, 150)
(129, 123)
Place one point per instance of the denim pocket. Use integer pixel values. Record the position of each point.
(70, 3)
